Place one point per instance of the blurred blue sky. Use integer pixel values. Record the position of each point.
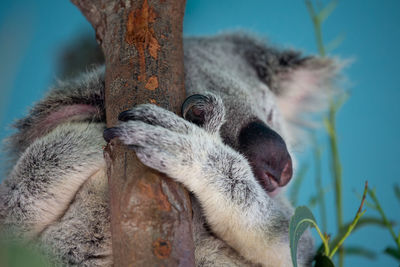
(32, 34)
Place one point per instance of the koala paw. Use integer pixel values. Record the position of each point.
(164, 141)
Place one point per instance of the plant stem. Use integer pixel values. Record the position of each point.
(349, 230)
(388, 224)
(353, 224)
(317, 28)
(336, 166)
(318, 184)
(321, 235)
(336, 171)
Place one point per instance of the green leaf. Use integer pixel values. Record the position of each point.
(335, 43)
(360, 251)
(299, 222)
(392, 251)
(397, 191)
(323, 261)
(327, 10)
(320, 250)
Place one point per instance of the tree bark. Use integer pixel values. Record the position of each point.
(142, 43)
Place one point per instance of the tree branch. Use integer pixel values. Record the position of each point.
(142, 44)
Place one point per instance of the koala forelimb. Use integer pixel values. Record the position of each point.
(232, 150)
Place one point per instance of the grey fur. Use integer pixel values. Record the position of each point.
(57, 191)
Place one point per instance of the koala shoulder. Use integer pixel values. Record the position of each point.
(76, 100)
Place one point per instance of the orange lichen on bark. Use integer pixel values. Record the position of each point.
(154, 46)
(162, 248)
(140, 33)
(155, 192)
(152, 83)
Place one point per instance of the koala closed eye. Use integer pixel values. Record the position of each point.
(194, 109)
(205, 110)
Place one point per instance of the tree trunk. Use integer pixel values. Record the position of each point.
(142, 43)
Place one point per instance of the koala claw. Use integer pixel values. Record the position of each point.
(155, 146)
(155, 115)
(125, 115)
(166, 142)
(110, 133)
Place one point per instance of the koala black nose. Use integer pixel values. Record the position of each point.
(267, 153)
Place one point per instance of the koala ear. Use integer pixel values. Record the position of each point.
(302, 84)
(306, 87)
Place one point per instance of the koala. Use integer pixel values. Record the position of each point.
(233, 150)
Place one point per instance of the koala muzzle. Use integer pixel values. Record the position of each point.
(267, 153)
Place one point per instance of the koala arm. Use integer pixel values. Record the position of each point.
(47, 176)
(236, 207)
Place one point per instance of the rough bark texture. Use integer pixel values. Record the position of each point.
(142, 44)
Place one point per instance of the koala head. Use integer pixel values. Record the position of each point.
(266, 93)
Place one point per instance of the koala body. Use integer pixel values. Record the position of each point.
(232, 151)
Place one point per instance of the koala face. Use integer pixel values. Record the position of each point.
(266, 94)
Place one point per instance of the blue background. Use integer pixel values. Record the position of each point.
(32, 34)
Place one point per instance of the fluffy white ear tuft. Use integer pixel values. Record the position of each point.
(307, 88)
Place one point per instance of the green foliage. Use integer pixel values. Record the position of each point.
(301, 220)
(318, 15)
(394, 252)
(319, 198)
(303, 217)
(15, 254)
(323, 261)
(362, 222)
(391, 251)
(335, 43)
